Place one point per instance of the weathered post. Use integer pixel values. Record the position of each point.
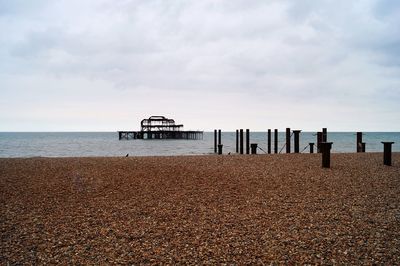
(220, 149)
(359, 141)
(288, 140)
(296, 141)
(269, 141)
(253, 148)
(311, 147)
(324, 134)
(219, 136)
(276, 140)
(237, 141)
(215, 141)
(247, 141)
(319, 140)
(326, 154)
(362, 146)
(241, 141)
(387, 153)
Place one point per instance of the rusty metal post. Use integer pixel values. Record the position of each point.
(241, 141)
(275, 140)
(359, 141)
(215, 141)
(237, 141)
(319, 140)
(387, 153)
(247, 141)
(220, 149)
(288, 140)
(219, 136)
(269, 141)
(253, 148)
(326, 154)
(296, 141)
(324, 134)
(311, 147)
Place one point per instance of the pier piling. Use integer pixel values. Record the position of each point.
(219, 136)
(288, 140)
(319, 140)
(253, 148)
(247, 141)
(220, 149)
(296, 141)
(358, 142)
(311, 147)
(324, 134)
(215, 141)
(326, 154)
(275, 140)
(237, 141)
(387, 153)
(241, 141)
(269, 141)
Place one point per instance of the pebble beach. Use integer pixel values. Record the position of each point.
(231, 209)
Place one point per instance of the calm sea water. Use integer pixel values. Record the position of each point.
(72, 144)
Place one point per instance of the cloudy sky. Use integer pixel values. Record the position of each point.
(103, 65)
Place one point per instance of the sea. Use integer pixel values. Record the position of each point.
(98, 144)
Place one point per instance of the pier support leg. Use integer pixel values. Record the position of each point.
(296, 141)
(387, 153)
(253, 148)
(215, 141)
(237, 141)
(324, 134)
(319, 140)
(275, 140)
(288, 140)
(269, 141)
(359, 141)
(247, 141)
(241, 141)
(220, 149)
(311, 147)
(326, 154)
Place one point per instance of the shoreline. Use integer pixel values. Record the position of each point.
(194, 155)
(200, 209)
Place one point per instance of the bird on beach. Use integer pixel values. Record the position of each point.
(127, 155)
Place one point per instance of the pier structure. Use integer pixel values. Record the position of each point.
(160, 127)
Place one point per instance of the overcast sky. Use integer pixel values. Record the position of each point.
(105, 64)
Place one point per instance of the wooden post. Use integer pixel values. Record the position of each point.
(319, 140)
(247, 141)
(220, 149)
(276, 140)
(324, 134)
(288, 140)
(296, 141)
(237, 141)
(311, 147)
(219, 136)
(269, 141)
(241, 141)
(215, 141)
(326, 154)
(387, 153)
(253, 148)
(358, 142)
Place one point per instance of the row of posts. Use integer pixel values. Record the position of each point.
(323, 146)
